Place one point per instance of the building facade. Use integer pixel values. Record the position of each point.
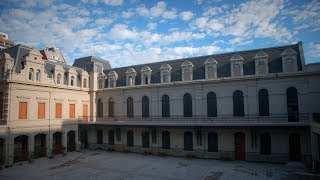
(257, 105)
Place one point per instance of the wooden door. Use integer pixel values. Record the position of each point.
(294, 145)
(240, 148)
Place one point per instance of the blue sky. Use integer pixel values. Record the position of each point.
(127, 32)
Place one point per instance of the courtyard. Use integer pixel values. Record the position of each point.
(99, 164)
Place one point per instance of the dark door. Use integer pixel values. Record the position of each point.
(145, 139)
(166, 140)
(294, 144)
(239, 144)
(71, 141)
(84, 138)
(130, 139)
(111, 137)
(57, 142)
(212, 142)
(99, 137)
(2, 143)
(188, 141)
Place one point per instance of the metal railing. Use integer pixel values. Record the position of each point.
(275, 119)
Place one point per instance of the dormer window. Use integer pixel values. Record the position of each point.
(145, 75)
(112, 79)
(211, 68)
(289, 65)
(130, 81)
(38, 75)
(130, 77)
(165, 72)
(236, 69)
(236, 62)
(100, 84)
(31, 74)
(261, 63)
(85, 82)
(72, 81)
(187, 71)
(59, 78)
(289, 60)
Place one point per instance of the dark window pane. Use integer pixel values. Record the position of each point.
(238, 104)
(263, 102)
(165, 106)
(187, 105)
(292, 104)
(212, 104)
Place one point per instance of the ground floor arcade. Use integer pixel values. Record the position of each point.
(261, 144)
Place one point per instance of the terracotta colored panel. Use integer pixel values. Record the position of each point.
(58, 110)
(72, 111)
(41, 110)
(23, 107)
(85, 112)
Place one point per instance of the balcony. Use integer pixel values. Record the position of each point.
(272, 120)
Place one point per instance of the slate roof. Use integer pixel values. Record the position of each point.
(223, 69)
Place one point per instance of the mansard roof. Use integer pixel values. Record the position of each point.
(223, 67)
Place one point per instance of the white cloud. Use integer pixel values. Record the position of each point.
(121, 32)
(113, 2)
(151, 26)
(158, 10)
(103, 21)
(314, 50)
(251, 19)
(186, 15)
(127, 14)
(307, 16)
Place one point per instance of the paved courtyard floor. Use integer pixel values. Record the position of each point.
(98, 165)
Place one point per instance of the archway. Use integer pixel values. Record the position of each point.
(240, 146)
(71, 144)
(21, 151)
(40, 145)
(2, 151)
(294, 146)
(57, 143)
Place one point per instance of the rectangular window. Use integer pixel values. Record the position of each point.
(41, 110)
(72, 111)
(58, 110)
(23, 110)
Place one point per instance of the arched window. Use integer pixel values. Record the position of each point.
(38, 75)
(130, 141)
(263, 102)
(111, 137)
(72, 81)
(212, 142)
(238, 104)
(265, 144)
(145, 139)
(165, 140)
(187, 105)
(59, 78)
(85, 82)
(100, 108)
(130, 107)
(145, 106)
(188, 141)
(111, 107)
(31, 74)
(292, 104)
(165, 106)
(212, 104)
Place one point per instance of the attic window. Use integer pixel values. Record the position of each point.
(72, 81)
(59, 79)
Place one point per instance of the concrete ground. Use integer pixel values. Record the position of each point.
(98, 165)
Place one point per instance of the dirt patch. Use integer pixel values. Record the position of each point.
(67, 163)
(214, 176)
(247, 172)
